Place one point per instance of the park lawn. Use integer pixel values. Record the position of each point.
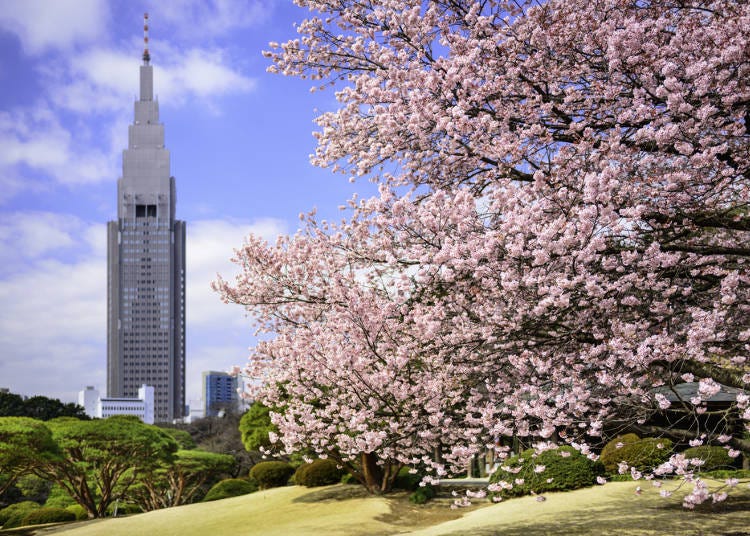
(343, 510)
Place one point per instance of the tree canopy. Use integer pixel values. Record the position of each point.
(38, 407)
(559, 236)
(101, 459)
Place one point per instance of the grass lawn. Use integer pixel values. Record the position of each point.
(345, 510)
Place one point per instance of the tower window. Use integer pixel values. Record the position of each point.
(143, 211)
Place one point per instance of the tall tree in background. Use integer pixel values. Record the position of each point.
(559, 240)
(101, 459)
(24, 444)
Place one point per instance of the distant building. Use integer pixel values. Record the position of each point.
(146, 268)
(98, 407)
(219, 393)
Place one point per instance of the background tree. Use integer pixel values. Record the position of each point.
(560, 228)
(38, 407)
(221, 435)
(11, 405)
(24, 443)
(101, 459)
(255, 425)
(181, 480)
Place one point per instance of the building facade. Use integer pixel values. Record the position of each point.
(96, 406)
(219, 393)
(146, 268)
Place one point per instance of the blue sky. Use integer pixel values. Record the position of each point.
(239, 139)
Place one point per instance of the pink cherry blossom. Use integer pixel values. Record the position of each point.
(557, 245)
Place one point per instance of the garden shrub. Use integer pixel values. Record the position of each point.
(318, 473)
(723, 474)
(40, 516)
(714, 457)
(406, 480)
(231, 487)
(59, 498)
(271, 474)
(422, 494)
(12, 516)
(640, 453)
(78, 511)
(348, 478)
(564, 469)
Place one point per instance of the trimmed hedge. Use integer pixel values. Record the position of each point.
(643, 454)
(12, 516)
(271, 474)
(318, 473)
(40, 516)
(231, 487)
(564, 469)
(78, 511)
(407, 480)
(422, 494)
(714, 457)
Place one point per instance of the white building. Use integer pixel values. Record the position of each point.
(98, 407)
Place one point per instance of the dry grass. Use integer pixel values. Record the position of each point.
(347, 510)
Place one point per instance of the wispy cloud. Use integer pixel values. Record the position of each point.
(36, 139)
(201, 18)
(54, 301)
(42, 25)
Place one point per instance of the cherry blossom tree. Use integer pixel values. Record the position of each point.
(559, 240)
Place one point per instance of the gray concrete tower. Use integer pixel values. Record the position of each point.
(146, 267)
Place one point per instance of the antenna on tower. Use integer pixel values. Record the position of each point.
(146, 55)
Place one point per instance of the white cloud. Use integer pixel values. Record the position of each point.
(36, 139)
(211, 244)
(204, 18)
(53, 319)
(48, 24)
(105, 80)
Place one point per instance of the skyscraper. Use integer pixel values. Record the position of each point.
(219, 393)
(146, 266)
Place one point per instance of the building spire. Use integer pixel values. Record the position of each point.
(146, 55)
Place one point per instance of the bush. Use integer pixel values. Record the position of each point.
(231, 487)
(714, 457)
(59, 498)
(723, 474)
(13, 515)
(78, 511)
(640, 453)
(271, 474)
(318, 473)
(40, 516)
(564, 469)
(406, 480)
(422, 494)
(348, 478)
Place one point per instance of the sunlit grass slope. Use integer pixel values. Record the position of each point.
(612, 509)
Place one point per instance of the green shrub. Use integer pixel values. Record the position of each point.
(40, 516)
(564, 469)
(78, 511)
(714, 457)
(723, 474)
(640, 453)
(422, 494)
(12, 516)
(231, 487)
(318, 473)
(348, 478)
(59, 498)
(406, 480)
(271, 474)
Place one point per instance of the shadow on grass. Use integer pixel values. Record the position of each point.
(637, 517)
(339, 492)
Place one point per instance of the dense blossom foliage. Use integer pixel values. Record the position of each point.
(561, 229)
